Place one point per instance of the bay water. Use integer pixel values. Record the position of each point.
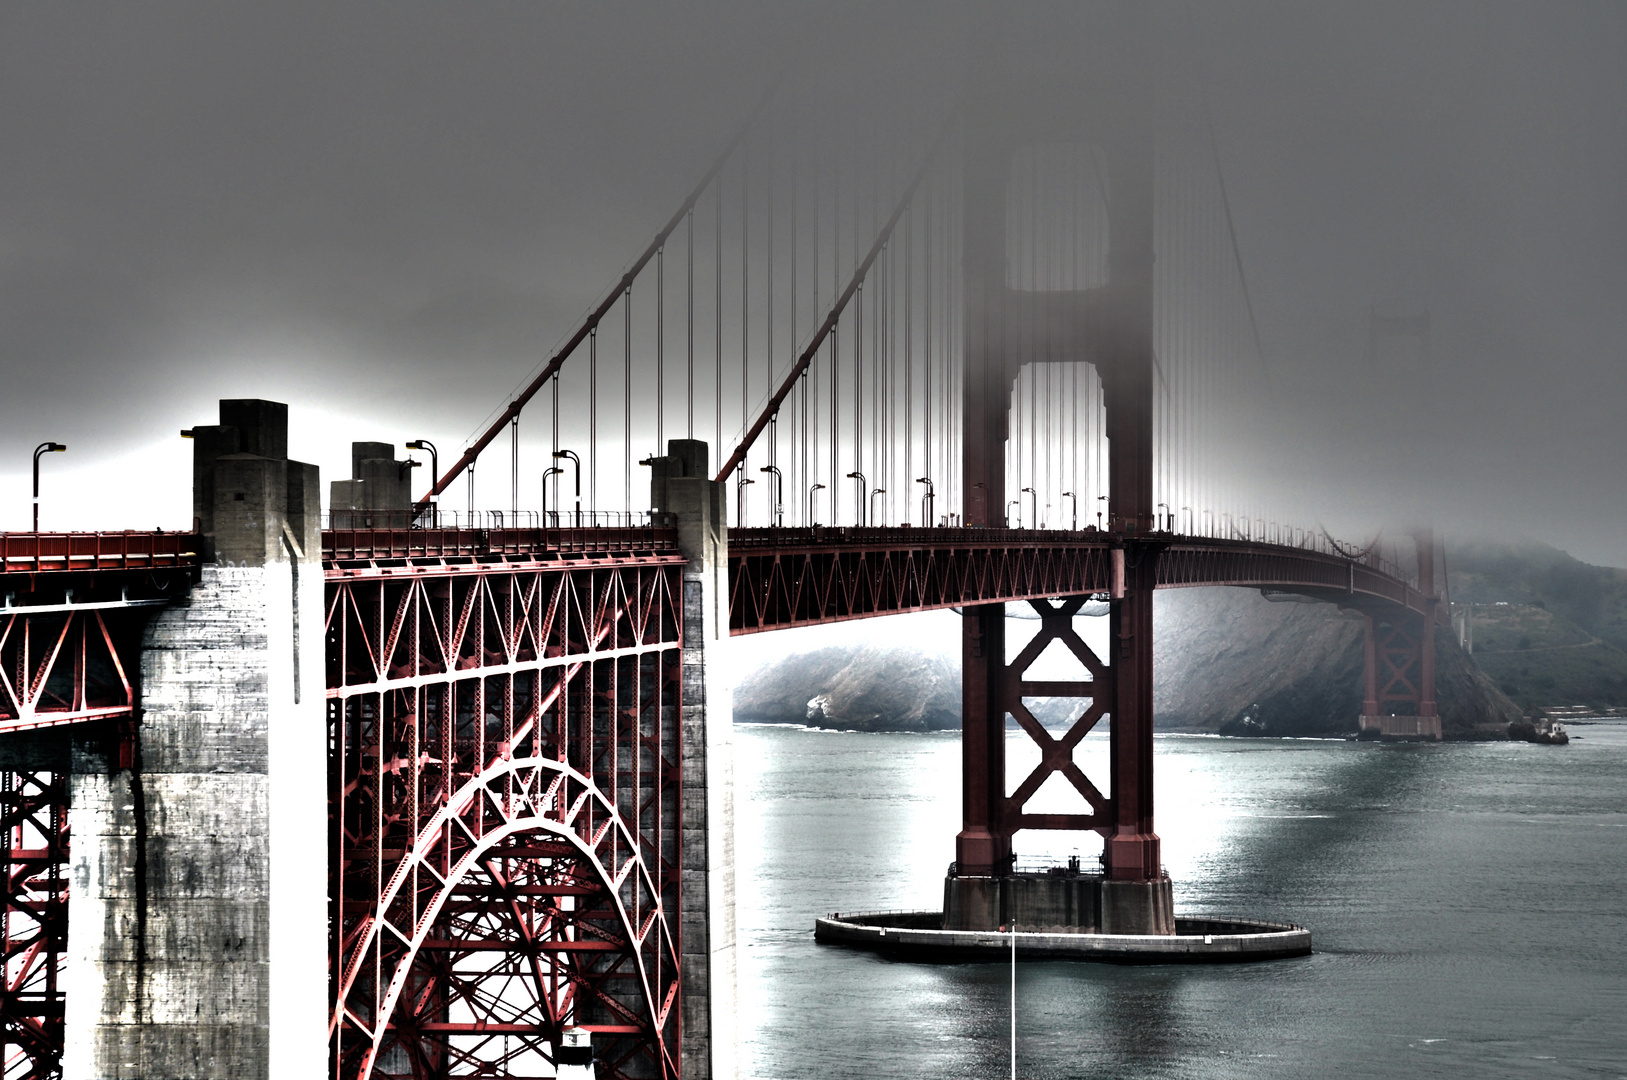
(1468, 904)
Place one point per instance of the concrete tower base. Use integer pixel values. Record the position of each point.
(1059, 903)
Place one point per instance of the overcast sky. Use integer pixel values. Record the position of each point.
(385, 215)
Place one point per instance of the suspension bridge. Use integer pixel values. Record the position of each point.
(468, 769)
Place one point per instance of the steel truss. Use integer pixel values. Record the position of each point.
(1398, 650)
(793, 577)
(1056, 755)
(505, 816)
(34, 922)
(60, 666)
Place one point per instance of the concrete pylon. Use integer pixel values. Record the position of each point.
(681, 487)
(198, 891)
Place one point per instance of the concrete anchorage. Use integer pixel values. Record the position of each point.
(206, 858)
(681, 489)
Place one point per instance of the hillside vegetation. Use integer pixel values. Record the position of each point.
(1550, 629)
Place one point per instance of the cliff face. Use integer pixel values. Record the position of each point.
(857, 688)
(1225, 660)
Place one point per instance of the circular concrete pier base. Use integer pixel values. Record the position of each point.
(914, 935)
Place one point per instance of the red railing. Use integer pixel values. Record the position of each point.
(36, 553)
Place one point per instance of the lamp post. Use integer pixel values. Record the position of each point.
(1099, 498)
(552, 470)
(435, 478)
(873, 494)
(42, 448)
(816, 487)
(858, 502)
(779, 493)
(1035, 518)
(571, 455)
(926, 501)
(740, 500)
(1188, 510)
(1169, 522)
(1018, 504)
(1210, 514)
(1074, 502)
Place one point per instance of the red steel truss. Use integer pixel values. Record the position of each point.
(35, 553)
(1056, 754)
(793, 577)
(505, 812)
(34, 922)
(60, 666)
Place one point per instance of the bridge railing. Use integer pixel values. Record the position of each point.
(432, 518)
(375, 544)
(33, 553)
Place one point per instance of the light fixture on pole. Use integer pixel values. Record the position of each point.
(552, 470)
(1168, 517)
(434, 478)
(571, 456)
(740, 500)
(42, 448)
(1075, 502)
(1099, 498)
(1034, 493)
(926, 500)
(779, 493)
(858, 502)
(816, 487)
(1018, 504)
(873, 494)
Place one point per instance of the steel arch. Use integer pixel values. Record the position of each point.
(543, 787)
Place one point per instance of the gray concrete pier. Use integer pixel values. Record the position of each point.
(918, 935)
(195, 867)
(682, 488)
(1063, 901)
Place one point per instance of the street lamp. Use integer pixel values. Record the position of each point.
(858, 501)
(740, 500)
(435, 478)
(552, 470)
(571, 455)
(1099, 498)
(1018, 504)
(926, 500)
(779, 493)
(1075, 503)
(42, 448)
(873, 494)
(1188, 510)
(1169, 522)
(1034, 493)
(816, 487)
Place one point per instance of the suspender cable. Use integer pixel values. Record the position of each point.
(909, 357)
(718, 319)
(627, 398)
(593, 419)
(660, 350)
(926, 343)
(745, 296)
(689, 324)
(811, 350)
(558, 360)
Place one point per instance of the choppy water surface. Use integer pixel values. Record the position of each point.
(1469, 906)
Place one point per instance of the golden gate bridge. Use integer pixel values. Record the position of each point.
(951, 349)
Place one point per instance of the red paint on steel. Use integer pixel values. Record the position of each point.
(41, 553)
(505, 808)
(33, 922)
